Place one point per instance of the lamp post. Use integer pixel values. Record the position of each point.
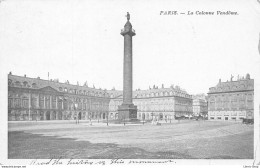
(76, 107)
(90, 118)
(152, 119)
(124, 118)
(29, 103)
(107, 118)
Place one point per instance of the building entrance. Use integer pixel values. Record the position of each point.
(48, 116)
(79, 116)
(161, 116)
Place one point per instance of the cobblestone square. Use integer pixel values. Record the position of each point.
(187, 139)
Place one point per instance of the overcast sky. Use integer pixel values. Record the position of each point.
(80, 41)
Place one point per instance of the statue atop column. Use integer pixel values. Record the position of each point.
(128, 16)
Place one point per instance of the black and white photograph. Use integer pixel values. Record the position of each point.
(129, 83)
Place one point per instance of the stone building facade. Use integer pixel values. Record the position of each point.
(232, 100)
(38, 99)
(157, 103)
(200, 105)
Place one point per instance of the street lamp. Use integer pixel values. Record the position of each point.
(76, 107)
(90, 118)
(29, 103)
(124, 118)
(107, 117)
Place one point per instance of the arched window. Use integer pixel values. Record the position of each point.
(65, 90)
(60, 89)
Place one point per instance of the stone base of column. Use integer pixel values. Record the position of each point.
(127, 112)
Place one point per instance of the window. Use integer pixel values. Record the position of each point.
(10, 102)
(47, 102)
(233, 113)
(17, 103)
(234, 102)
(25, 103)
(25, 84)
(34, 85)
(242, 113)
(17, 83)
(34, 102)
(9, 82)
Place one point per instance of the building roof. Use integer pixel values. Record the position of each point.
(158, 92)
(242, 84)
(37, 83)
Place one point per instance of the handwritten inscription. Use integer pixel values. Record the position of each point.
(99, 162)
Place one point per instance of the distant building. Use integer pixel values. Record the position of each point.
(156, 103)
(38, 99)
(200, 105)
(232, 100)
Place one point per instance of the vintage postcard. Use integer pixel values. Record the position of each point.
(129, 83)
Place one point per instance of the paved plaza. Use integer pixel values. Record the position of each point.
(177, 140)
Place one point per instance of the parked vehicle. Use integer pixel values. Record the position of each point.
(248, 121)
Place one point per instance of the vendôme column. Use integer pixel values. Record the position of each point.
(127, 111)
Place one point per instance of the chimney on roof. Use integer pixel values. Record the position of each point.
(38, 77)
(247, 76)
(10, 73)
(25, 75)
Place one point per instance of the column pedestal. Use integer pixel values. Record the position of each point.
(127, 112)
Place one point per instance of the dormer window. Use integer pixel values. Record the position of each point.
(17, 83)
(34, 85)
(9, 82)
(25, 84)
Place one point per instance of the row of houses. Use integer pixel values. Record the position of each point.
(38, 99)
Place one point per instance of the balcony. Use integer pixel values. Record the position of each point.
(128, 30)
